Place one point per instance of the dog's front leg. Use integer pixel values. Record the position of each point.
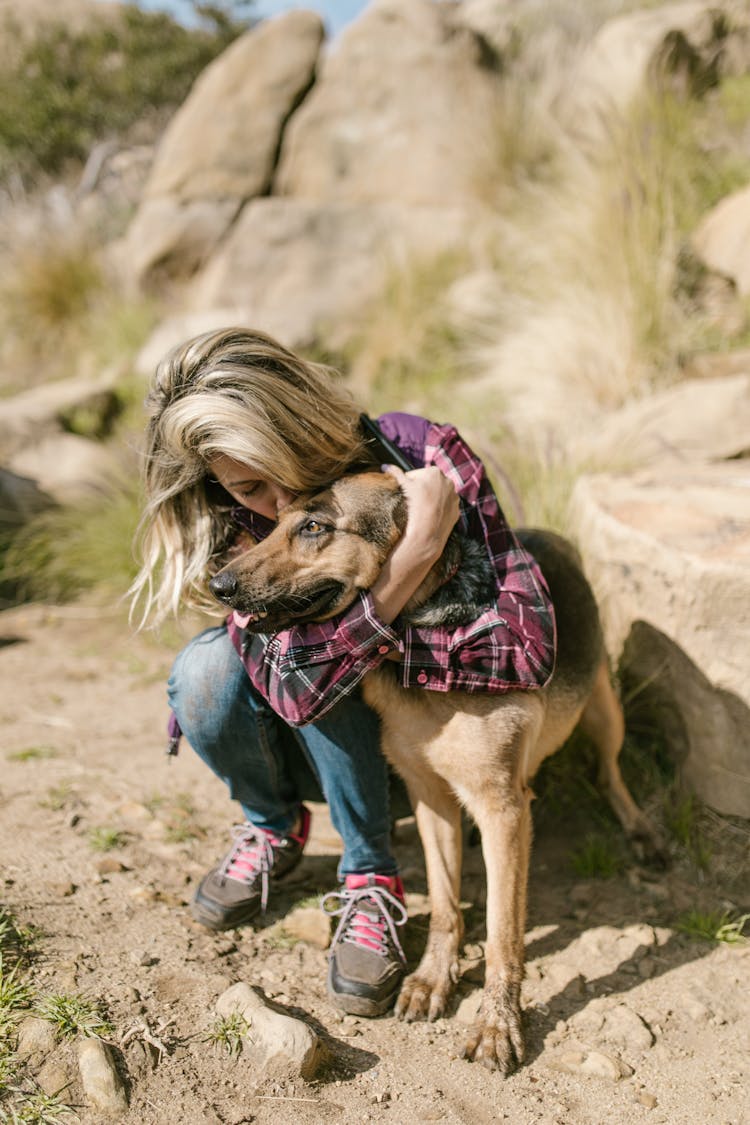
(496, 1040)
(425, 993)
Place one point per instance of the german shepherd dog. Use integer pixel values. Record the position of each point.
(453, 749)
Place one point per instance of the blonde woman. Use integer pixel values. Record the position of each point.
(239, 426)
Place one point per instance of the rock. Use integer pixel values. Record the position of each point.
(668, 555)
(20, 499)
(110, 866)
(53, 407)
(268, 269)
(281, 1043)
(36, 1039)
(592, 1064)
(618, 1027)
(644, 1098)
(722, 240)
(67, 468)
(102, 1085)
(384, 122)
(221, 146)
(697, 420)
(680, 45)
(58, 1073)
(310, 924)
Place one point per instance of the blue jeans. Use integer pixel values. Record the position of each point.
(270, 767)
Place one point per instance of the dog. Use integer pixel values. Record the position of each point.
(453, 749)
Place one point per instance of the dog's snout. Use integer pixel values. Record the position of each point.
(224, 586)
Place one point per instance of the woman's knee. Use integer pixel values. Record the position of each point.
(207, 668)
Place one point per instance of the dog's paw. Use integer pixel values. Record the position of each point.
(497, 1042)
(423, 998)
(649, 846)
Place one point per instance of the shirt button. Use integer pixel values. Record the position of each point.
(422, 678)
(383, 649)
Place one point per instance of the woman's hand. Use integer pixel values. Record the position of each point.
(433, 509)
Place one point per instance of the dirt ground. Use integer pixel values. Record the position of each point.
(609, 976)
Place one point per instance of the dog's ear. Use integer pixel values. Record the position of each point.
(377, 508)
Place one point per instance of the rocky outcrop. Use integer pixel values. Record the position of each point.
(301, 270)
(685, 45)
(696, 420)
(722, 240)
(221, 147)
(403, 109)
(668, 554)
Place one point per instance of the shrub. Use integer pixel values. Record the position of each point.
(67, 88)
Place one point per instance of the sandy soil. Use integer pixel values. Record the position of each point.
(608, 975)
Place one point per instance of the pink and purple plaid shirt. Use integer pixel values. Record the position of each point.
(302, 672)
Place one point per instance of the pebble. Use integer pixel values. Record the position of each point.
(110, 866)
(592, 1064)
(648, 1100)
(36, 1038)
(63, 889)
(101, 1082)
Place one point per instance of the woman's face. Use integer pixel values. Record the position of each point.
(249, 489)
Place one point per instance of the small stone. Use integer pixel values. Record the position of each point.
(101, 1082)
(648, 1100)
(224, 947)
(593, 1064)
(282, 1042)
(468, 1009)
(36, 1038)
(309, 924)
(110, 866)
(63, 889)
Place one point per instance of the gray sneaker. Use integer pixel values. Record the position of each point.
(234, 891)
(366, 961)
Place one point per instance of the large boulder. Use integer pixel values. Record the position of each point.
(221, 146)
(53, 408)
(301, 270)
(403, 109)
(668, 554)
(722, 240)
(696, 420)
(688, 45)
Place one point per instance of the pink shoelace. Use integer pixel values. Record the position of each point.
(252, 855)
(371, 906)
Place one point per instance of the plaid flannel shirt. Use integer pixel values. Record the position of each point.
(303, 671)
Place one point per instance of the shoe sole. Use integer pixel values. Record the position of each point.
(210, 920)
(356, 1005)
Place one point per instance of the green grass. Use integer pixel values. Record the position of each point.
(67, 88)
(31, 1106)
(596, 858)
(682, 818)
(67, 551)
(73, 1015)
(57, 797)
(32, 754)
(227, 1032)
(714, 925)
(104, 839)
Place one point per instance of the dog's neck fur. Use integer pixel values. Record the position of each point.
(457, 589)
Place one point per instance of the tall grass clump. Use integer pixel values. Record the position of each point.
(67, 551)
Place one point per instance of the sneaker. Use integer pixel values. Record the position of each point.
(367, 963)
(237, 889)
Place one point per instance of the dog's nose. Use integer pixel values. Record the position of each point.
(224, 586)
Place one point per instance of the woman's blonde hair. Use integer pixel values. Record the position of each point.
(242, 394)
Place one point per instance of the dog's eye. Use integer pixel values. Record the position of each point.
(313, 527)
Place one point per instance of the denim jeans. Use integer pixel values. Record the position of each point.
(270, 767)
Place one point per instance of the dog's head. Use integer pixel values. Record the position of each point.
(325, 549)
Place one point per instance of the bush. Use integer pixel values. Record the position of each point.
(68, 88)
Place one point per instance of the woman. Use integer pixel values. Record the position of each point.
(238, 427)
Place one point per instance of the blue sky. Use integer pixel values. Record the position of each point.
(336, 13)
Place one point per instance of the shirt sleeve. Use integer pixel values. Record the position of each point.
(512, 646)
(302, 672)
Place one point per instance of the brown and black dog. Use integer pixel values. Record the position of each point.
(453, 749)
